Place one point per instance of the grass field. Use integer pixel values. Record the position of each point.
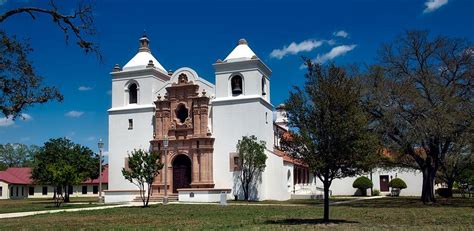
(13, 206)
(385, 213)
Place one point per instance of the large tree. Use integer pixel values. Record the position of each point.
(142, 169)
(16, 155)
(62, 163)
(20, 85)
(330, 129)
(251, 164)
(421, 99)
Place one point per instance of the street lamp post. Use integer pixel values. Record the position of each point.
(101, 147)
(165, 145)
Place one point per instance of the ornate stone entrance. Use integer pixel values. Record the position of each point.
(182, 115)
(181, 172)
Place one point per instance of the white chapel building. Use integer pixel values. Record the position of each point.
(203, 123)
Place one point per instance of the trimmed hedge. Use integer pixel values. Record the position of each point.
(397, 183)
(362, 183)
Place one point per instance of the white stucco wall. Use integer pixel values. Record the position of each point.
(4, 194)
(412, 178)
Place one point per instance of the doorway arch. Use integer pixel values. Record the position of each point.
(181, 172)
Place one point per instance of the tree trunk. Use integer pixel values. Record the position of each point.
(427, 193)
(246, 191)
(326, 201)
(66, 195)
(450, 188)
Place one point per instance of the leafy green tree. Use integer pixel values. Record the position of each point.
(420, 99)
(16, 155)
(61, 163)
(330, 129)
(252, 160)
(142, 169)
(456, 166)
(20, 85)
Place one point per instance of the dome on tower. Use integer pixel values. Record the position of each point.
(142, 59)
(241, 52)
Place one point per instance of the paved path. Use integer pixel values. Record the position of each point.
(134, 204)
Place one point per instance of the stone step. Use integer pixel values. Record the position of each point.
(157, 198)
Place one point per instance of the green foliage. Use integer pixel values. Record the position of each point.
(397, 183)
(376, 192)
(331, 131)
(252, 160)
(444, 192)
(61, 163)
(143, 167)
(362, 183)
(16, 155)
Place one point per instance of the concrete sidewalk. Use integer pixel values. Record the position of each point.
(136, 204)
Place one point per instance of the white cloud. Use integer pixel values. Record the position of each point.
(91, 138)
(341, 33)
(6, 121)
(26, 117)
(334, 52)
(74, 114)
(432, 5)
(295, 48)
(84, 88)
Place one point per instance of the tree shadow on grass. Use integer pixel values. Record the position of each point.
(300, 221)
(409, 202)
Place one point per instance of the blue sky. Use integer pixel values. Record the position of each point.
(196, 34)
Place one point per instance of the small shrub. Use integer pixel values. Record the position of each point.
(362, 183)
(397, 183)
(375, 192)
(443, 192)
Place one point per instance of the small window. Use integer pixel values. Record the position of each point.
(45, 190)
(69, 189)
(130, 124)
(127, 168)
(132, 93)
(84, 189)
(263, 86)
(31, 191)
(95, 189)
(1, 191)
(236, 85)
(266, 117)
(11, 192)
(17, 194)
(235, 164)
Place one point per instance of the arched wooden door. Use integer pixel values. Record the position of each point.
(181, 172)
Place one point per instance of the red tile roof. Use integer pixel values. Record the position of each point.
(287, 158)
(23, 176)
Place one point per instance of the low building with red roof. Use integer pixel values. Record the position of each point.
(16, 183)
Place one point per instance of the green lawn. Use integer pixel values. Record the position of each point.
(386, 213)
(24, 205)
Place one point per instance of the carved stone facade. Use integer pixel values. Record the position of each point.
(183, 115)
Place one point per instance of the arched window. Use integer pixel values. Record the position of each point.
(236, 85)
(132, 93)
(181, 113)
(263, 86)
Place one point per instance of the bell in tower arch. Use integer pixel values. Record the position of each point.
(236, 85)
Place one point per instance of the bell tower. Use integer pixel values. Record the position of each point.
(241, 107)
